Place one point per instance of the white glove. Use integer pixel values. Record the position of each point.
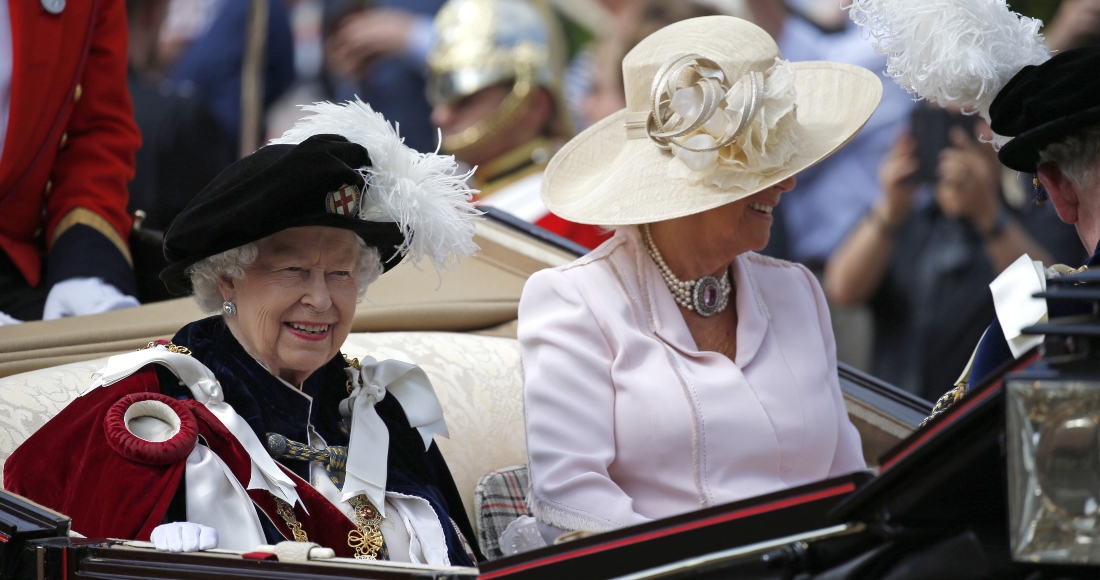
(5, 320)
(184, 537)
(81, 296)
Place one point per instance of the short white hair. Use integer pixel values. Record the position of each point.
(1076, 156)
(205, 273)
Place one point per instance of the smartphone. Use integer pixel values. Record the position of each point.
(931, 127)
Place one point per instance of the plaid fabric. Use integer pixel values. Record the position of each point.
(499, 499)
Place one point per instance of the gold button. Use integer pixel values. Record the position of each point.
(77, 93)
(49, 186)
(64, 140)
(38, 233)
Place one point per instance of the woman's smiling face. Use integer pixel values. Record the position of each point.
(296, 302)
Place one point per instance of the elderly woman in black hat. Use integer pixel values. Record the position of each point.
(297, 441)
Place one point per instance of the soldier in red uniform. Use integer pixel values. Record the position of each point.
(67, 143)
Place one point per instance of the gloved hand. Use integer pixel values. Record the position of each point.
(81, 296)
(184, 537)
(5, 320)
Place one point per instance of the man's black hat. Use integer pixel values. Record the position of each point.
(314, 183)
(1043, 104)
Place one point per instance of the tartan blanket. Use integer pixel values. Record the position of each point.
(499, 499)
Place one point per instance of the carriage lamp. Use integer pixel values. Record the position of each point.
(1053, 434)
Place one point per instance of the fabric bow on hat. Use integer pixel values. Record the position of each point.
(368, 449)
(726, 134)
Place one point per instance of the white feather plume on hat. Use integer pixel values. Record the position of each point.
(424, 193)
(961, 51)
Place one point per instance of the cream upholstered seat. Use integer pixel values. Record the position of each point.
(480, 384)
(477, 378)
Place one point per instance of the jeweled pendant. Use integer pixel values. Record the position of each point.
(707, 296)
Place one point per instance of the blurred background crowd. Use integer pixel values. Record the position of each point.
(905, 227)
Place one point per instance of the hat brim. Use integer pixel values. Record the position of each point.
(1022, 152)
(385, 236)
(603, 178)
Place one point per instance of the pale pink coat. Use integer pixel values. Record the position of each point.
(627, 421)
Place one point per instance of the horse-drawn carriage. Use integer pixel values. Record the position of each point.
(939, 494)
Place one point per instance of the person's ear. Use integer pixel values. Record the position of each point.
(1061, 189)
(227, 287)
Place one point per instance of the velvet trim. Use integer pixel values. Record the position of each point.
(83, 252)
(136, 449)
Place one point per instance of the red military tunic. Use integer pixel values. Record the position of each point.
(71, 137)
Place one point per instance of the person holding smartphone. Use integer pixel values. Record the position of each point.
(925, 253)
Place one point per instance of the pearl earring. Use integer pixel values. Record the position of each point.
(229, 308)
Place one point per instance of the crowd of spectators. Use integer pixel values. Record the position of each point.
(905, 227)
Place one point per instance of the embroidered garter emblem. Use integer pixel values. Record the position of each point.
(344, 201)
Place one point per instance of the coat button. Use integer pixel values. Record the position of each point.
(38, 233)
(49, 187)
(64, 140)
(77, 93)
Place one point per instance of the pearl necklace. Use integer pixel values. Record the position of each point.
(705, 296)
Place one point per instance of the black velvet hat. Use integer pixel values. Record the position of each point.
(1043, 104)
(313, 183)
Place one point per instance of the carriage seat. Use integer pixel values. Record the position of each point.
(477, 378)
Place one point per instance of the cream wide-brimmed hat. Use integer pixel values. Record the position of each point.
(713, 115)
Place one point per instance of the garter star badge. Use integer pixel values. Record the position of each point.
(344, 201)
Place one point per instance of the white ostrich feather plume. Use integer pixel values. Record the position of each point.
(961, 51)
(424, 193)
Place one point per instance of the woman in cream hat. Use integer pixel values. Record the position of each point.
(673, 368)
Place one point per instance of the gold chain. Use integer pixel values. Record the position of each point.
(353, 363)
(366, 539)
(287, 513)
(171, 348)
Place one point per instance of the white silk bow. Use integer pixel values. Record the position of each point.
(368, 449)
(206, 389)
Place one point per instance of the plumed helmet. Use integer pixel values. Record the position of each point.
(480, 43)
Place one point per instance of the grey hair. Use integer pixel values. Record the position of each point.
(1076, 156)
(205, 273)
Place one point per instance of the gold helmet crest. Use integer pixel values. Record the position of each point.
(480, 43)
